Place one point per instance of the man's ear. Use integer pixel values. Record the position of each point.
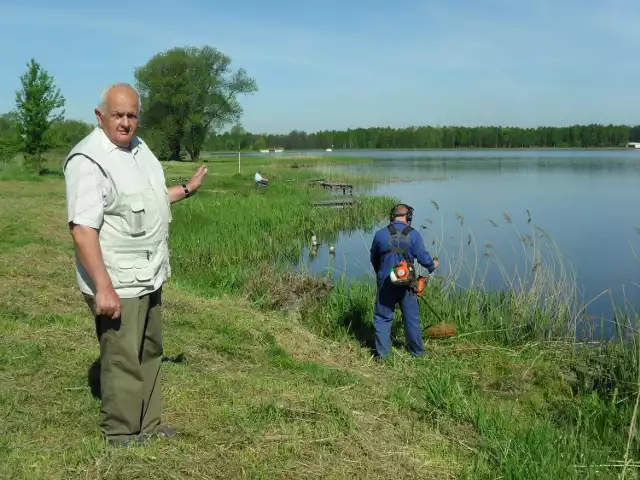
(98, 115)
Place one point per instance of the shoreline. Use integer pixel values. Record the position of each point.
(344, 150)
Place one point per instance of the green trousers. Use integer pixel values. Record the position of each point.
(130, 358)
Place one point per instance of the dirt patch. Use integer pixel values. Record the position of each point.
(289, 292)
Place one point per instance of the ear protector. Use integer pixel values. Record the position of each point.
(409, 214)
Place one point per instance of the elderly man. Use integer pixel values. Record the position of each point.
(260, 180)
(119, 214)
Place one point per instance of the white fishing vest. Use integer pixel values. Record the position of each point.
(134, 234)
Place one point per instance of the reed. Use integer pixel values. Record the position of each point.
(218, 241)
(525, 291)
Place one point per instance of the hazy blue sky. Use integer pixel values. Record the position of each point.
(339, 64)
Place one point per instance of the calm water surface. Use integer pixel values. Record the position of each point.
(587, 201)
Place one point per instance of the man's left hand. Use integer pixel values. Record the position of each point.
(196, 180)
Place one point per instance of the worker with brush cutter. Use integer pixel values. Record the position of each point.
(395, 252)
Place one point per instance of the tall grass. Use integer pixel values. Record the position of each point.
(219, 240)
(540, 298)
(524, 291)
(537, 295)
(525, 272)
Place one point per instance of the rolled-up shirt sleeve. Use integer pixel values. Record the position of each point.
(87, 192)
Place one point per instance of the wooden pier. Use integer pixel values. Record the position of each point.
(338, 186)
(334, 186)
(317, 181)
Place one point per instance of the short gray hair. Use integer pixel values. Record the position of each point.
(102, 106)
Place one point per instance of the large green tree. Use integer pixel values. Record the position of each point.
(39, 104)
(186, 93)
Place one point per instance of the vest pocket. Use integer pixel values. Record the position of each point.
(134, 268)
(125, 272)
(136, 215)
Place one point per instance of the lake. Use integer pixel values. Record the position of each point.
(585, 201)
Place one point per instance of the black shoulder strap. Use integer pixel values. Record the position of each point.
(393, 231)
(405, 231)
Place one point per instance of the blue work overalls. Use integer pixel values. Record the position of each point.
(390, 245)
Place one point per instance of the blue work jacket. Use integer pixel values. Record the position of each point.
(383, 263)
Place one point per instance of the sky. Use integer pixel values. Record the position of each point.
(347, 64)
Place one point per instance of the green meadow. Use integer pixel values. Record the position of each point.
(268, 370)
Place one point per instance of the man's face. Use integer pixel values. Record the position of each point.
(119, 121)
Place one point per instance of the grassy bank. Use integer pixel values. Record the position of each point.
(227, 237)
(269, 391)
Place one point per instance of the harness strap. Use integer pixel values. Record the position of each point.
(394, 232)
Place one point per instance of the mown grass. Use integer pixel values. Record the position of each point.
(264, 393)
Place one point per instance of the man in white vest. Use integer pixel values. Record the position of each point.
(259, 179)
(119, 213)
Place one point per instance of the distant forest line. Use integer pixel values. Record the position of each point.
(64, 134)
(576, 136)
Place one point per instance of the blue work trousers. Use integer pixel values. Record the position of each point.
(389, 295)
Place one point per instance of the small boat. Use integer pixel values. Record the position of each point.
(272, 150)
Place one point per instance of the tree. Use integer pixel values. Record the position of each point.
(187, 91)
(9, 138)
(164, 97)
(36, 104)
(66, 133)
